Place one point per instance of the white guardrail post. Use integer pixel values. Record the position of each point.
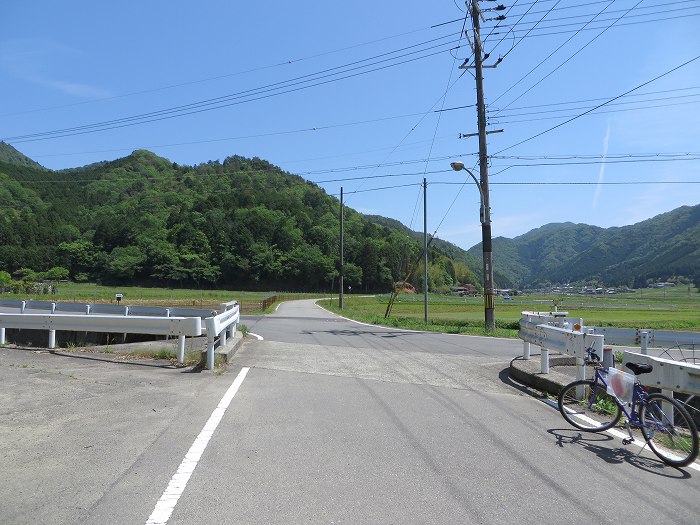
(217, 326)
(566, 337)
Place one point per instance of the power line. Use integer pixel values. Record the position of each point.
(601, 105)
(620, 110)
(229, 75)
(283, 87)
(580, 183)
(595, 28)
(551, 21)
(549, 56)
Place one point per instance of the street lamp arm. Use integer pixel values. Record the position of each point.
(459, 166)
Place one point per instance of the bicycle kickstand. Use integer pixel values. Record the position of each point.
(627, 441)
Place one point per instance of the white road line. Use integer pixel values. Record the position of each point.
(166, 504)
(612, 431)
(258, 337)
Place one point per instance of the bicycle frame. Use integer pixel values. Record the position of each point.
(639, 396)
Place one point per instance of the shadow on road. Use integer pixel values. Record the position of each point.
(601, 445)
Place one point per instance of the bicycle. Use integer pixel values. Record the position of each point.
(665, 424)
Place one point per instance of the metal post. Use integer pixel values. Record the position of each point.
(2, 336)
(526, 350)
(210, 354)
(645, 343)
(211, 341)
(181, 349)
(52, 339)
(608, 357)
(489, 305)
(341, 299)
(544, 360)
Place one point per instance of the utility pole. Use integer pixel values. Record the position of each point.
(341, 299)
(425, 249)
(489, 314)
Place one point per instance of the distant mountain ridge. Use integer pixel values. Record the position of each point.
(658, 248)
(662, 247)
(12, 156)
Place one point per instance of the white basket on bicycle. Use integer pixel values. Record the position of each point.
(620, 384)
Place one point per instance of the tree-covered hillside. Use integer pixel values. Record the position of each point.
(243, 223)
(660, 248)
(10, 155)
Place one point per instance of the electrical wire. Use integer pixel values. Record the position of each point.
(313, 80)
(601, 105)
(548, 56)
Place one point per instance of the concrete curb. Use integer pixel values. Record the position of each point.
(527, 372)
(230, 348)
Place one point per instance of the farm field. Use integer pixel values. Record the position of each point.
(98, 294)
(668, 309)
(676, 308)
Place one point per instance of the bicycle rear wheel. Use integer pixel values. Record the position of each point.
(587, 406)
(669, 430)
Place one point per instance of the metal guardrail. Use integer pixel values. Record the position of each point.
(107, 309)
(667, 374)
(75, 317)
(219, 326)
(555, 331)
(654, 338)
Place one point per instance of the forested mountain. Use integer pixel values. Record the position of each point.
(247, 224)
(243, 223)
(12, 156)
(665, 246)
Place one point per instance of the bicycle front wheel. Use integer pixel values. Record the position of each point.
(587, 406)
(669, 430)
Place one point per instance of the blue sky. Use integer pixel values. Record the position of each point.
(337, 91)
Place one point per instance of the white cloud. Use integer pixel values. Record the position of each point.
(36, 60)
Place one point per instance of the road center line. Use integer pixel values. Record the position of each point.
(166, 504)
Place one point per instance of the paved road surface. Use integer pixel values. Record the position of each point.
(334, 422)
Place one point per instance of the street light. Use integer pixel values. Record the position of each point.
(485, 219)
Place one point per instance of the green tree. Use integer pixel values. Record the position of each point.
(56, 273)
(124, 263)
(81, 256)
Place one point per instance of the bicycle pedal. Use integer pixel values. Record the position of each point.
(627, 441)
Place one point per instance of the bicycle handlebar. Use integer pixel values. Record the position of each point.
(591, 356)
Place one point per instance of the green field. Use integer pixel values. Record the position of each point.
(98, 294)
(675, 308)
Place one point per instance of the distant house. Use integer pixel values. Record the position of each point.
(466, 289)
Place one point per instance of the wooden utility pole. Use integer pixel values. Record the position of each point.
(489, 314)
(341, 298)
(425, 249)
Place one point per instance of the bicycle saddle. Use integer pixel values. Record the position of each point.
(639, 368)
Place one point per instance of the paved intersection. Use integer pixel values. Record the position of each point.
(335, 422)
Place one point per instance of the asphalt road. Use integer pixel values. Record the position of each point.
(334, 422)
